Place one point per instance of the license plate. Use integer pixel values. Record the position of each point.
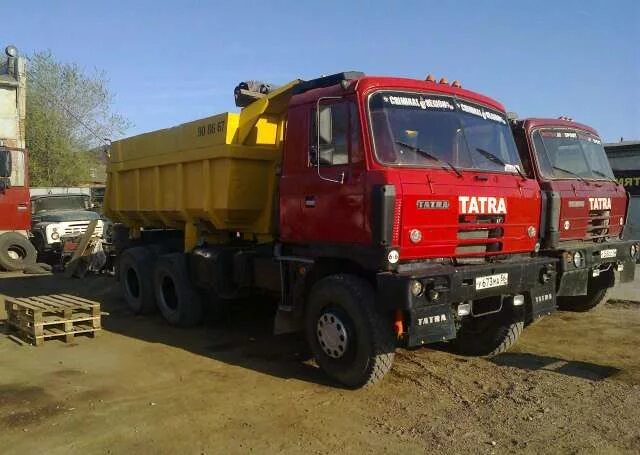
(608, 253)
(492, 281)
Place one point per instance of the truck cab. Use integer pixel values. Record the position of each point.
(584, 208)
(16, 251)
(419, 186)
(55, 216)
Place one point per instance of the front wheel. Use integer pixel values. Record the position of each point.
(489, 335)
(352, 342)
(596, 293)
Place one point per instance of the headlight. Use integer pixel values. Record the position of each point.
(578, 259)
(415, 235)
(531, 231)
(633, 250)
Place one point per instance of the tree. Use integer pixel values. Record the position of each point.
(68, 112)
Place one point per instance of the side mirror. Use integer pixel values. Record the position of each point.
(322, 151)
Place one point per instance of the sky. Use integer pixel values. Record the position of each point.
(171, 61)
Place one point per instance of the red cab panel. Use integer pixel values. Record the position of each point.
(15, 207)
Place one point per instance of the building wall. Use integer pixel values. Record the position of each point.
(12, 103)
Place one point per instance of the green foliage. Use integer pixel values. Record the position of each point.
(68, 112)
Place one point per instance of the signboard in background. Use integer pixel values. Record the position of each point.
(630, 179)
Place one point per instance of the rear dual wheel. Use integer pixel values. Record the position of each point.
(136, 278)
(178, 301)
(352, 342)
(151, 279)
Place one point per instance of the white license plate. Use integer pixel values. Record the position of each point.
(492, 281)
(608, 253)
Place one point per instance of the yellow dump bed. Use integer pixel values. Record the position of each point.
(214, 174)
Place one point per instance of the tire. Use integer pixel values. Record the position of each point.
(178, 301)
(487, 336)
(363, 340)
(35, 269)
(16, 252)
(135, 271)
(597, 291)
(44, 265)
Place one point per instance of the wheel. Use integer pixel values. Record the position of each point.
(16, 252)
(135, 271)
(35, 269)
(597, 290)
(489, 335)
(178, 301)
(351, 341)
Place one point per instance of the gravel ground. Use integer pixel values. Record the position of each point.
(572, 385)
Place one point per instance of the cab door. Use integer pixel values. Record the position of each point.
(323, 177)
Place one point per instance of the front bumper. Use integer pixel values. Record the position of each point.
(432, 317)
(573, 280)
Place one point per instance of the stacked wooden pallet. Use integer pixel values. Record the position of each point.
(36, 319)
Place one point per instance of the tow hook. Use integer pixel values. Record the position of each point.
(546, 274)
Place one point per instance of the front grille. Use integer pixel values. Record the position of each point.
(598, 225)
(81, 228)
(479, 235)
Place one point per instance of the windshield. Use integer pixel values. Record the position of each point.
(566, 154)
(60, 203)
(412, 129)
(5, 163)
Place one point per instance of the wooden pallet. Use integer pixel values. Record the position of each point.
(36, 319)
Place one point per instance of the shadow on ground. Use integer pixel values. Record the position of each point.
(534, 362)
(241, 334)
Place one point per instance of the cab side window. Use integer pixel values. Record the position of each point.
(333, 147)
(17, 171)
(544, 163)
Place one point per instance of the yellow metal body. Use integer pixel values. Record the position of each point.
(209, 178)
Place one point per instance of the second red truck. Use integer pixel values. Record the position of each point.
(584, 208)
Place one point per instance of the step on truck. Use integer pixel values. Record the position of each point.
(382, 211)
(584, 208)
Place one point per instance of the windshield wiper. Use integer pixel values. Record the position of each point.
(430, 156)
(496, 159)
(602, 174)
(582, 179)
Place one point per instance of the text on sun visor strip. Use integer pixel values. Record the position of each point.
(436, 103)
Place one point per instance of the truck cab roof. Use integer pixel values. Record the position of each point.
(536, 122)
(366, 84)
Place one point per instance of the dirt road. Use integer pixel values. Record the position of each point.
(571, 386)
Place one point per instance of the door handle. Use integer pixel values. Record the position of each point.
(310, 201)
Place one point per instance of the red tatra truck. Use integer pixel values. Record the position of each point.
(16, 251)
(384, 211)
(584, 208)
